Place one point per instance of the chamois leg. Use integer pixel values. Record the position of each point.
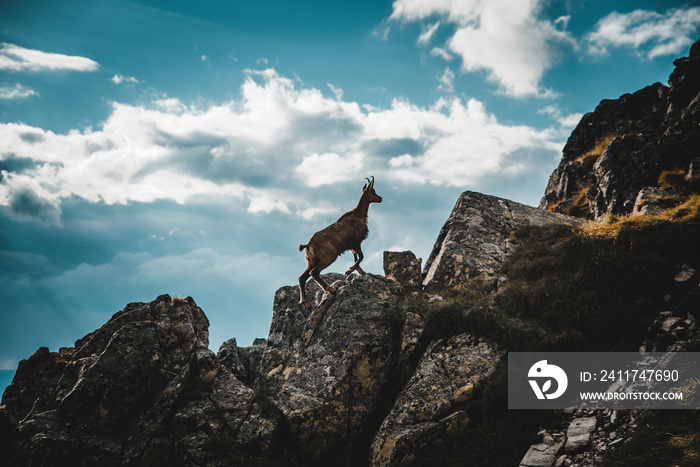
(317, 277)
(302, 287)
(358, 257)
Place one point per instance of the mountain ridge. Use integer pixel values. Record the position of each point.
(408, 368)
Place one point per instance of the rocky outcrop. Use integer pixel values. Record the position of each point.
(326, 369)
(477, 238)
(349, 381)
(242, 362)
(432, 404)
(403, 267)
(144, 389)
(624, 145)
(383, 371)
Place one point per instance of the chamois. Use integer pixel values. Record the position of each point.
(347, 233)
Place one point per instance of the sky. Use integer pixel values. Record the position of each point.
(188, 148)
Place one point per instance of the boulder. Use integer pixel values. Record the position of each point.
(326, 368)
(541, 455)
(579, 433)
(403, 267)
(477, 238)
(432, 404)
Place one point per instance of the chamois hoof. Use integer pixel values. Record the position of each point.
(330, 289)
(304, 303)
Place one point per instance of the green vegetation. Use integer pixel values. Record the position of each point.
(592, 289)
(662, 437)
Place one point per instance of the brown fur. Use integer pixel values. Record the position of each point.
(347, 233)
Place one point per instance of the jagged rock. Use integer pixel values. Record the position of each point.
(229, 355)
(625, 167)
(326, 368)
(243, 362)
(411, 333)
(476, 239)
(144, 389)
(625, 144)
(685, 274)
(631, 114)
(431, 404)
(541, 455)
(403, 267)
(650, 201)
(579, 433)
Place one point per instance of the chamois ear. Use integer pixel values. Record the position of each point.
(367, 185)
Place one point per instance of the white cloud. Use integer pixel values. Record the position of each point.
(338, 92)
(16, 58)
(324, 169)
(16, 92)
(660, 34)
(119, 79)
(566, 121)
(447, 81)
(505, 38)
(428, 33)
(442, 53)
(268, 150)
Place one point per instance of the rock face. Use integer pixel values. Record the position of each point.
(403, 267)
(350, 381)
(326, 370)
(624, 145)
(429, 406)
(476, 239)
(144, 389)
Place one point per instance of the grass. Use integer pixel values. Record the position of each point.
(574, 289)
(589, 157)
(596, 288)
(663, 437)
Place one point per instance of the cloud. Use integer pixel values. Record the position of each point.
(654, 33)
(442, 53)
(16, 58)
(428, 33)
(269, 150)
(506, 38)
(26, 203)
(567, 121)
(324, 169)
(447, 81)
(119, 79)
(16, 92)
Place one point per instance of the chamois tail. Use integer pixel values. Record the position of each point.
(301, 247)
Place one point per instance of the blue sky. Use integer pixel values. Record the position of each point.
(151, 147)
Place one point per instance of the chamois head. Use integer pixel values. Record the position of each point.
(368, 190)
